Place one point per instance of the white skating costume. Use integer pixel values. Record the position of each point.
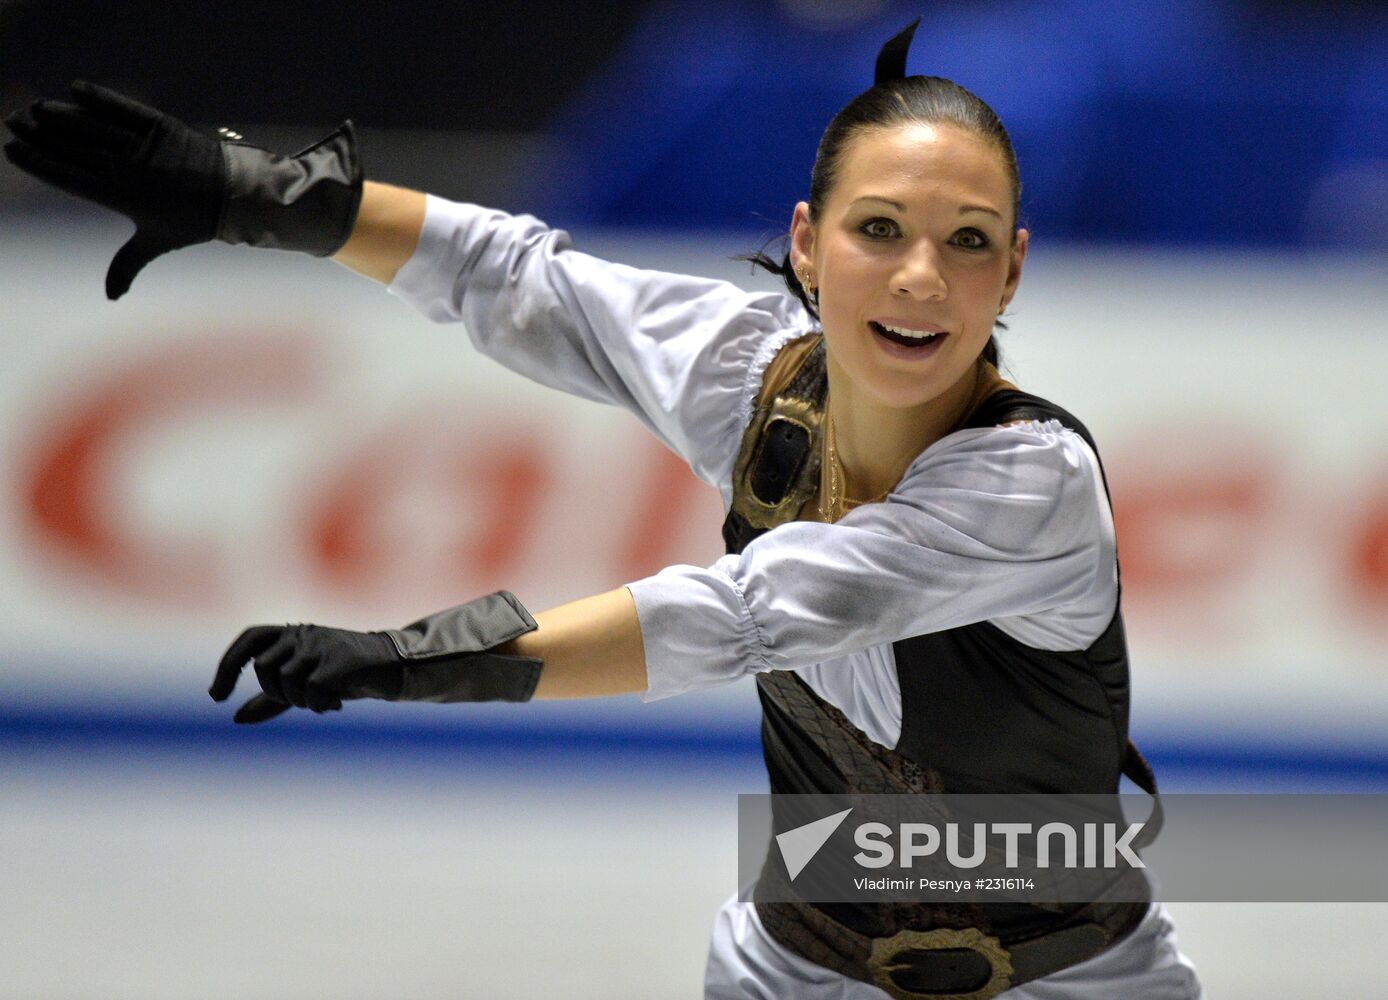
(996, 531)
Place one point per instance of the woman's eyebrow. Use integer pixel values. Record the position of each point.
(963, 209)
(886, 201)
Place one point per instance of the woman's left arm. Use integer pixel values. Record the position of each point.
(995, 524)
(489, 649)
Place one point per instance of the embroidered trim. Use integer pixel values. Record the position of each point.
(766, 353)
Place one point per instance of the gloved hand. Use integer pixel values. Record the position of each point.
(445, 657)
(181, 186)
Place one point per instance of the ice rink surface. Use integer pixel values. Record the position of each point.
(177, 872)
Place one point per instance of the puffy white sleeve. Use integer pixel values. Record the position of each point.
(680, 352)
(1004, 524)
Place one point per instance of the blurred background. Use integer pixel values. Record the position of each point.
(250, 436)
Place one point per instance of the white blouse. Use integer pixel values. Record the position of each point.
(1005, 524)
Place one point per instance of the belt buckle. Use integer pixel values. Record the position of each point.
(881, 963)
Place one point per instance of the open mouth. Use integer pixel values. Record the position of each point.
(915, 339)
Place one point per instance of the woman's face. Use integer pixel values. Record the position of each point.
(916, 237)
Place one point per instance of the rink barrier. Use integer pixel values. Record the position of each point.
(583, 745)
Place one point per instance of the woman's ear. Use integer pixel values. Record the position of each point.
(1014, 267)
(802, 241)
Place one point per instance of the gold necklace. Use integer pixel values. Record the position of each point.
(835, 510)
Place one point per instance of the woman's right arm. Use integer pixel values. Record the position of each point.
(385, 233)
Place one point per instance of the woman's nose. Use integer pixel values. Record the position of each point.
(920, 274)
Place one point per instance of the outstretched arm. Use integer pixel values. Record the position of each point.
(677, 351)
(386, 231)
(489, 649)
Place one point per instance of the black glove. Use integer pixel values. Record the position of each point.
(445, 657)
(181, 186)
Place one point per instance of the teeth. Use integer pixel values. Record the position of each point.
(902, 331)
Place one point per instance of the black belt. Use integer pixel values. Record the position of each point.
(943, 963)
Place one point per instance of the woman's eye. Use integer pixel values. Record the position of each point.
(879, 229)
(970, 239)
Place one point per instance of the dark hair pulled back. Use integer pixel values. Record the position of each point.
(929, 100)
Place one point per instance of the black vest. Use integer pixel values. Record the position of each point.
(981, 711)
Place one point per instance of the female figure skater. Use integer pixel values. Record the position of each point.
(921, 567)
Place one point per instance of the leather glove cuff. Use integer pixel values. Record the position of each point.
(306, 202)
(448, 655)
